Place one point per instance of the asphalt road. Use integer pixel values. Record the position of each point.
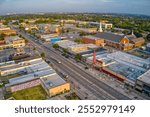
(98, 88)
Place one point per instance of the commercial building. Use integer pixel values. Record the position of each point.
(119, 41)
(106, 24)
(12, 42)
(93, 40)
(30, 80)
(5, 46)
(148, 47)
(89, 55)
(25, 67)
(16, 41)
(123, 66)
(54, 85)
(2, 42)
(136, 41)
(6, 30)
(143, 83)
(49, 28)
(53, 39)
(86, 30)
(30, 27)
(65, 44)
(45, 36)
(77, 49)
(32, 73)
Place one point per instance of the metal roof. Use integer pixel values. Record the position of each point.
(31, 76)
(145, 77)
(91, 37)
(110, 36)
(52, 81)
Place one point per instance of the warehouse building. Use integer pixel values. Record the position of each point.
(148, 47)
(123, 66)
(36, 72)
(29, 80)
(54, 84)
(25, 66)
(143, 83)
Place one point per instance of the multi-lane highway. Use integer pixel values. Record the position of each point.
(98, 88)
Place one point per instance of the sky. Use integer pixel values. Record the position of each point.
(96, 6)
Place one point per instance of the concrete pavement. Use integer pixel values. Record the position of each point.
(98, 88)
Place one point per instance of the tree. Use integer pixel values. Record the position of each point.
(56, 46)
(82, 34)
(137, 34)
(77, 57)
(34, 49)
(65, 51)
(78, 40)
(26, 41)
(67, 30)
(2, 36)
(148, 37)
(43, 55)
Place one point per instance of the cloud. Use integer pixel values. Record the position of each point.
(121, 6)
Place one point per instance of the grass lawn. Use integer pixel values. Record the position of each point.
(34, 93)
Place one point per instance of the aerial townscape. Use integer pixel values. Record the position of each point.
(74, 50)
(74, 56)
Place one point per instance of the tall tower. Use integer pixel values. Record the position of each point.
(94, 57)
(100, 27)
(132, 32)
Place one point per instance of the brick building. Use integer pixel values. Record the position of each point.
(93, 40)
(136, 41)
(119, 41)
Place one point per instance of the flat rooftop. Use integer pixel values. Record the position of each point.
(10, 67)
(12, 38)
(145, 77)
(66, 43)
(98, 56)
(101, 57)
(128, 72)
(129, 66)
(53, 80)
(31, 76)
(148, 45)
(6, 63)
(98, 52)
(130, 59)
(92, 46)
(32, 64)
